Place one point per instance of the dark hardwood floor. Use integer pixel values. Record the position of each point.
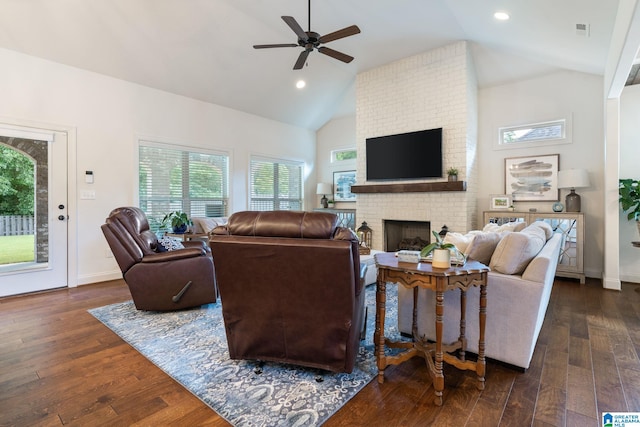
(61, 366)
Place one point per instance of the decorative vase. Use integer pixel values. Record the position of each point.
(441, 258)
(180, 229)
(453, 178)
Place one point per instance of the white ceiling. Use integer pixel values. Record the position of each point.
(203, 48)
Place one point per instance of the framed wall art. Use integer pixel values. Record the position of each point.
(533, 178)
(342, 182)
(499, 202)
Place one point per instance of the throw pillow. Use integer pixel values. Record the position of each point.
(548, 231)
(509, 226)
(459, 240)
(516, 250)
(483, 245)
(168, 244)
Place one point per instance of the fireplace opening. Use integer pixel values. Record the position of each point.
(407, 235)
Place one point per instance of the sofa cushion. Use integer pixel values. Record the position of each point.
(206, 225)
(482, 246)
(517, 249)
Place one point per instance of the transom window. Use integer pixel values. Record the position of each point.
(545, 131)
(174, 178)
(276, 184)
(343, 155)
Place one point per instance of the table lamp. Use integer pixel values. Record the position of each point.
(324, 189)
(573, 178)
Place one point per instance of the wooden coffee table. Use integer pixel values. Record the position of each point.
(423, 275)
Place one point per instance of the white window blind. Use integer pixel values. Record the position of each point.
(276, 185)
(171, 178)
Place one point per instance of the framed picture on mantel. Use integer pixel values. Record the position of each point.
(342, 182)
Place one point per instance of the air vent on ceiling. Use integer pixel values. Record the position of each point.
(583, 30)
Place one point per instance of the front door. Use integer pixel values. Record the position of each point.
(33, 242)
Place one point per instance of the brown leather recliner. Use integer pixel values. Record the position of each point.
(290, 288)
(160, 281)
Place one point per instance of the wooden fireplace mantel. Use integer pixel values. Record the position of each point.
(415, 187)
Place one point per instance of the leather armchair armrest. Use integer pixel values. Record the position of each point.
(174, 255)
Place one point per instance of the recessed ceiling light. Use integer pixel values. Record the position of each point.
(300, 84)
(501, 16)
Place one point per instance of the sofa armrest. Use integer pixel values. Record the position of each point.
(174, 255)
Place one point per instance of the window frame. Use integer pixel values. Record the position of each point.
(565, 138)
(335, 152)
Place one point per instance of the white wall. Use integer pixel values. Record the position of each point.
(629, 160)
(548, 97)
(109, 115)
(337, 134)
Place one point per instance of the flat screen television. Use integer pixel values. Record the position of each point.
(411, 155)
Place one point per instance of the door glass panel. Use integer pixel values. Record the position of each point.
(24, 226)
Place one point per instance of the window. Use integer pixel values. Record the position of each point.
(172, 178)
(276, 185)
(343, 155)
(546, 131)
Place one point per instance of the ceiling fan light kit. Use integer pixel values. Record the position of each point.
(310, 40)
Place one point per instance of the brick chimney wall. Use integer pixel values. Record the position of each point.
(431, 90)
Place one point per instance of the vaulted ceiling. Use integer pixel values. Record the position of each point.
(203, 48)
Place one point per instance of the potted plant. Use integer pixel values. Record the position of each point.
(452, 174)
(178, 220)
(441, 252)
(630, 199)
(331, 203)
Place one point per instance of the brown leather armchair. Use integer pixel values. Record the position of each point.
(160, 281)
(290, 288)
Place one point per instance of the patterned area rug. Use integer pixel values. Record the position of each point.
(191, 347)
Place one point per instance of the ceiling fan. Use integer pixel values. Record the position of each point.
(310, 40)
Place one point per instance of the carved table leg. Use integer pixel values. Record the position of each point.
(438, 379)
(481, 364)
(463, 324)
(378, 337)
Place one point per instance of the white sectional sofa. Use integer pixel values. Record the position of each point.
(516, 302)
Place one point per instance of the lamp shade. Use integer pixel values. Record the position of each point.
(573, 178)
(323, 188)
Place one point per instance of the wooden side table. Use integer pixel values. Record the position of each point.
(422, 275)
(187, 236)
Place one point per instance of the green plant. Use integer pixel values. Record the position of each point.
(452, 171)
(630, 198)
(175, 219)
(440, 244)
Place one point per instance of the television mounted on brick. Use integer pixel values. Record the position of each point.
(411, 155)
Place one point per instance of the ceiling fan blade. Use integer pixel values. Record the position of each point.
(301, 59)
(345, 32)
(293, 24)
(267, 46)
(335, 54)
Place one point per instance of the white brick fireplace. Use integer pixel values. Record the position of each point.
(431, 90)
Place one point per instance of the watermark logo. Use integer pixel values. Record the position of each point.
(621, 419)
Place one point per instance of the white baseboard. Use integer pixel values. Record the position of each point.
(633, 278)
(99, 277)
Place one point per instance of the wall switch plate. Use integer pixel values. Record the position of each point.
(87, 195)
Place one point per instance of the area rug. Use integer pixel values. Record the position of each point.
(191, 347)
